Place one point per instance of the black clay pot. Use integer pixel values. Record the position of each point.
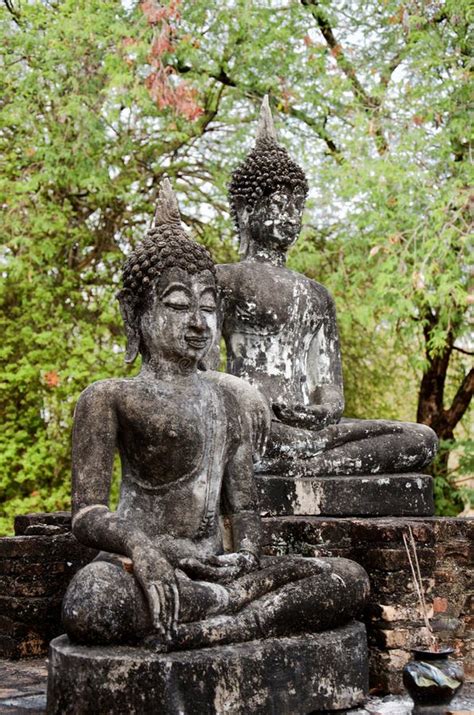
(432, 680)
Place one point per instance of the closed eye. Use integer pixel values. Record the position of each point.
(178, 306)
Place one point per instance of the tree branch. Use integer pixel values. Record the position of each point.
(395, 62)
(320, 130)
(371, 105)
(14, 13)
(461, 350)
(223, 77)
(461, 400)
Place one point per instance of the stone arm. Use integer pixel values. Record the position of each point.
(240, 498)
(325, 365)
(324, 378)
(94, 444)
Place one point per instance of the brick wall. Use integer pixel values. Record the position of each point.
(394, 621)
(37, 564)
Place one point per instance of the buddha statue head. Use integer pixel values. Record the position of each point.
(267, 193)
(168, 299)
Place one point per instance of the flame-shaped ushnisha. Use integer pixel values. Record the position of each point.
(266, 128)
(167, 209)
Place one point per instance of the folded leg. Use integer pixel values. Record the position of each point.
(350, 447)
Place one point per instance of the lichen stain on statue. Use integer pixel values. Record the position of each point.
(187, 440)
(281, 334)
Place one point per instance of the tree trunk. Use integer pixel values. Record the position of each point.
(431, 409)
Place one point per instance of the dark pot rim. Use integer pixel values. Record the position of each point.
(428, 654)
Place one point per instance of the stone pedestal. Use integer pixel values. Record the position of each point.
(372, 495)
(288, 676)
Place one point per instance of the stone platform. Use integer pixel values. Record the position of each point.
(23, 692)
(288, 676)
(373, 495)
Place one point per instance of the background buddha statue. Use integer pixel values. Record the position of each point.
(185, 448)
(281, 334)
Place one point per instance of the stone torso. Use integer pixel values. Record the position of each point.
(272, 329)
(173, 443)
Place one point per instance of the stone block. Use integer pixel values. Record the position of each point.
(386, 669)
(35, 586)
(448, 529)
(462, 551)
(393, 559)
(30, 646)
(21, 567)
(288, 676)
(386, 530)
(373, 495)
(24, 522)
(395, 613)
(401, 638)
(43, 548)
(37, 611)
(305, 535)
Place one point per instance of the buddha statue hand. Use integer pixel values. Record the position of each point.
(157, 578)
(221, 569)
(313, 417)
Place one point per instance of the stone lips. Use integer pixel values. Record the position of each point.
(288, 676)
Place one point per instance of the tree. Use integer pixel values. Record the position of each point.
(101, 99)
(378, 95)
(84, 147)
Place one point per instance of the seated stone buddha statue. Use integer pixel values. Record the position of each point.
(281, 335)
(162, 576)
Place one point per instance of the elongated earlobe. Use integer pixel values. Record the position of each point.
(243, 219)
(132, 330)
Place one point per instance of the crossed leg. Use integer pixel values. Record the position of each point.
(350, 447)
(104, 603)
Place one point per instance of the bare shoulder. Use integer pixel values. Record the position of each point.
(228, 275)
(102, 396)
(238, 390)
(321, 295)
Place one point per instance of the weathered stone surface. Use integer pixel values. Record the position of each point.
(188, 441)
(371, 495)
(288, 676)
(393, 617)
(43, 547)
(35, 571)
(23, 692)
(281, 335)
(25, 522)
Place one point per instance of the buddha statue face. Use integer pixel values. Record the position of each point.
(274, 222)
(179, 322)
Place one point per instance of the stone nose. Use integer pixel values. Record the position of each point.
(197, 320)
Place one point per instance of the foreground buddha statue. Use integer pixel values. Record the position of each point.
(281, 334)
(185, 447)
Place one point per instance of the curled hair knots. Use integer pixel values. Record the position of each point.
(266, 169)
(159, 252)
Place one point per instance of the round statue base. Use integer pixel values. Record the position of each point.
(288, 676)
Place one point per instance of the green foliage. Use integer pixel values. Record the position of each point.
(101, 99)
(451, 487)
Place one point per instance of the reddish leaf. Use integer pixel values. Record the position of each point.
(162, 43)
(51, 378)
